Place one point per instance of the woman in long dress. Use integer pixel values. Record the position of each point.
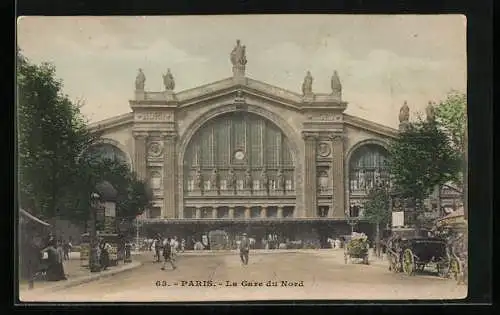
(55, 271)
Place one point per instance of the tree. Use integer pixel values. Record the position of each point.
(377, 210)
(451, 114)
(51, 134)
(422, 157)
(134, 195)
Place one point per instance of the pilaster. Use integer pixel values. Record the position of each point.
(198, 213)
(263, 212)
(337, 209)
(310, 182)
(280, 212)
(247, 213)
(140, 138)
(231, 213)
(214, 213)
(169, 176)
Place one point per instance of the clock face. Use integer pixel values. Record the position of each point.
(239, 155)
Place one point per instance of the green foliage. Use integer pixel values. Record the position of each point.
(357, 248)
(451, 115)
(55, 179)
(133, 197)
(421, 158)
(51, 134)
(376, 208)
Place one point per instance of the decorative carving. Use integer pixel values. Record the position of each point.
(140, 81)
(168, 81)
(306, 135)
(324, 149)
(404, 113)
(155, 149)
(239, 155)
(154, 116)
(140, 134)
(336, 85)
(430, 112)
(307, 84)
(264, 179)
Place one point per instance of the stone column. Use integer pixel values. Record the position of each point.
(169, 176)
(214, 213)
(140, 157)
(198, 213)
(231, 212)
(247, 213)
(310, 191)
(280, 212)
(263, 212)
(337, 210)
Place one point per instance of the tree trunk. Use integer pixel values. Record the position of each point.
(377, 239)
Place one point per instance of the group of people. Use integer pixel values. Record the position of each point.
(47, 257)
(167, 248)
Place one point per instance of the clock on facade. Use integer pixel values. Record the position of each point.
(239, 155)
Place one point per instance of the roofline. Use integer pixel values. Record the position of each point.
(372, 126)
(112, 122)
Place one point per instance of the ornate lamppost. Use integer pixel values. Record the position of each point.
(95, 205)
(352, 218)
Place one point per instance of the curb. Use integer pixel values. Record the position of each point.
(85, 279)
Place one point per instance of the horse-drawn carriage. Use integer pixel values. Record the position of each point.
(413, 254)
(356, 246)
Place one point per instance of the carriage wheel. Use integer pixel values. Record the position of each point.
(455, 269)
(408, 262)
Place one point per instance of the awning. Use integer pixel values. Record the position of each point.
(241, 220)
(32, 217)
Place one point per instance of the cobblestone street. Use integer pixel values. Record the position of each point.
(221, 277)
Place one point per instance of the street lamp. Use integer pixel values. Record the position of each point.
(95, 202)
(351, 219)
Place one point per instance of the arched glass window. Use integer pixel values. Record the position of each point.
(367, 167)
(106, 151)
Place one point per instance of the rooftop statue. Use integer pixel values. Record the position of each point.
(404, 113)
(335, 84)
(140, 81)
(168, 81)
(307, 85)
(238, 54)
(430, 111)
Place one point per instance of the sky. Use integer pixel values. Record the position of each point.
(381, 60)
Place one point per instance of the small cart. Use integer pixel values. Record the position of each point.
(356, 246)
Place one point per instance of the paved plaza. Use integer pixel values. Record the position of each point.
(278, 275)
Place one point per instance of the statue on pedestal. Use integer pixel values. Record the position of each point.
(214, 180)
(265, 180)
(198, 180)
(404, 113)
(307, 84)
(336, 85)
(140, 81)
(168, 81)
(430, 112)
(248, 179)
(280, 180)
(238, 55)
(231, 179)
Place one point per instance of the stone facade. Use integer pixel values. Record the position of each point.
(320, 136)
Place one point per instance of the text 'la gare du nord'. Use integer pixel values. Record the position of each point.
(244, 283)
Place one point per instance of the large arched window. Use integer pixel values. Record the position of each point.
(107, 151)
(367, 167)
(239, 152)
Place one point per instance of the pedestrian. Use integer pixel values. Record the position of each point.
(167, 255)
(105, 248)
(183, 245)
(128, 247)
(174, 245)
(55, 270)
(67, 246)
(244, 249)
(157, 246)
